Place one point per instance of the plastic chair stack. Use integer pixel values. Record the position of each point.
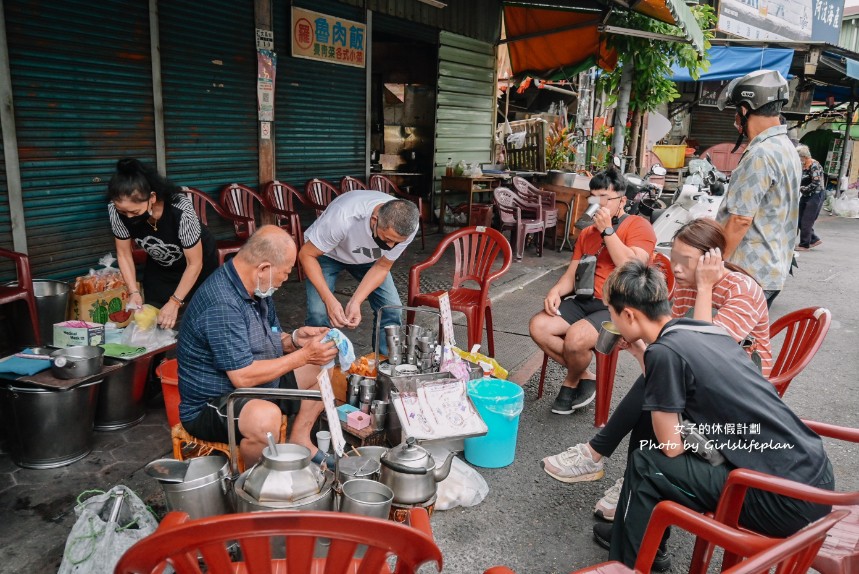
(522, 217)
(382, 183)
(547, 198)
(200, 201)
(319, 194)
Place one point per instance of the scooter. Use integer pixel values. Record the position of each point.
(700, 196)
(643, 196)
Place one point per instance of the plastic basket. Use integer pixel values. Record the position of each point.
(671, 156)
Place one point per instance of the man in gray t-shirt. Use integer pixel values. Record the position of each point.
(760, 211)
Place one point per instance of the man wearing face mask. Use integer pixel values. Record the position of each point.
(362, 232)
(573, 311)
(231, 338)
(761, 207)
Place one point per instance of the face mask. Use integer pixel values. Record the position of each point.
(134, 220)
(271, 288)
(382, 245)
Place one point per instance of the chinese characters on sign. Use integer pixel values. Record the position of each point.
(321, 37)
(796, 20)
(266, 65)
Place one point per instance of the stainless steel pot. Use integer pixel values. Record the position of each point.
(77, 362)
(357, 467)
(324, 500)
(203, 489)
(411, 472)
(285, 474)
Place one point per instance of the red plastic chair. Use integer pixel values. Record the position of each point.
(179, 541)
(319, 193)
(606, 365)
(510, 208)
(840, 551)
(200, 201)
(547, 198)
(240, 200)
(382, 183)
(350, 183)
(283, 201)
(475, 251)
(23, 291)
(806, 329)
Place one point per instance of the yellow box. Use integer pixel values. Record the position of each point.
(671, 156)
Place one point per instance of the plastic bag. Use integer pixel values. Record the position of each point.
(99, 538)
(490, 365)
(846, 207)
(453, 364)
(516, 140)
(154, 338)
(99, 280)
(463, 487)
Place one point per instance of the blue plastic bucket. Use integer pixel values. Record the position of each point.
(499, 403)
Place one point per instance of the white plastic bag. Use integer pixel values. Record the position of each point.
(463, 487)
(96, 543)
(846, 207)
(155, 338)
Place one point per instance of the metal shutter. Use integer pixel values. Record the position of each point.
(82, 88)
(709, 126)
(320, 108)
(209, 70)
(465, 114)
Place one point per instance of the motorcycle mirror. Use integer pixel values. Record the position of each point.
(657, 169)
(616, 161)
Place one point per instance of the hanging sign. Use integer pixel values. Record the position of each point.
(317, 36)
(334, 427)
(447, 337)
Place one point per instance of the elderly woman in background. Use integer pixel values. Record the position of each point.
(811, 188)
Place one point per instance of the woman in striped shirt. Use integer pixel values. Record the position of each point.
(707, 289)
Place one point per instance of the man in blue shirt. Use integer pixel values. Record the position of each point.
(231, 338)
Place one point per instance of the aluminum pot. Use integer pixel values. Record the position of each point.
(411, 472)
(285, 474)
(324, 500)
(77, 362)
(203, 490)
(364, 467)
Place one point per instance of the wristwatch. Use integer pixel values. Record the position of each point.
(607, 231)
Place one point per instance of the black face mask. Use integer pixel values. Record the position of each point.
(135, 220)
(381, 244)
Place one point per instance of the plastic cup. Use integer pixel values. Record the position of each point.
(323, 440)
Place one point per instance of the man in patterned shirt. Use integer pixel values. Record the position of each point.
(231, 338)
(761, 208)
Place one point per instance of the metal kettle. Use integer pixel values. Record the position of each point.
(286, 473)
(410, 471)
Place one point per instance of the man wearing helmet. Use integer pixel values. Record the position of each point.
(761, 208)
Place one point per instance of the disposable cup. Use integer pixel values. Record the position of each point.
(323, 440)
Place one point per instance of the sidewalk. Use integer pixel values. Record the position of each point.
(37, 506)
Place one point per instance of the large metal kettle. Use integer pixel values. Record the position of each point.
(286, 474)
(411, 472)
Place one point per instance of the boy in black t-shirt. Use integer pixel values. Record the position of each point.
(705, 378)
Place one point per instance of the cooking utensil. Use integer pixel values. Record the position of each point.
(77, 362)
(285, 474)
(411, 472)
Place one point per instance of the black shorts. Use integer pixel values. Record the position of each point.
(593, 310)
(211, 423)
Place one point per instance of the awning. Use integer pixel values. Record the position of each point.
(729, 62)
(541, 39)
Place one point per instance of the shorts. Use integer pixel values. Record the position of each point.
(592, 310)
(211, 423)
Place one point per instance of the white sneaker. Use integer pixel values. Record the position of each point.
(608, 504)
(573, 465)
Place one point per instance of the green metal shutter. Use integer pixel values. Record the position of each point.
(82, 88)
(320, 108)
(209, 70)
(465, 114)
(404, 28)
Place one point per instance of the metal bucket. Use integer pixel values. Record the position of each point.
(205, 490)
(324, 500)
(48, 428)
(366, 497)
(121, 402)
(52, 298)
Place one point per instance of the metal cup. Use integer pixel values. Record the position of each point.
(367, 391)
(378, 412)
(608, 338)
(354, 390)
(587, 218)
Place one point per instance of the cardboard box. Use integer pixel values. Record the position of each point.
(358, 420)
(343, 412)
(101, 307)
(73, 333)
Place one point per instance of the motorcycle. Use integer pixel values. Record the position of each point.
(700, 196)
(643, 196)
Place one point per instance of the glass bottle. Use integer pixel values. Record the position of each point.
(448, 170)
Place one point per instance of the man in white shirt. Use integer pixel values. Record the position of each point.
(363, 232)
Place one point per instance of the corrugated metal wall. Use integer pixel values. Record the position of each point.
(209, 69)
(413, 31)
(320, 108)
(83, 98)
(478, 19)
(709, 126)
(465, 114)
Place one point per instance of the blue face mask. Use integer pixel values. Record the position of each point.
(268, 292)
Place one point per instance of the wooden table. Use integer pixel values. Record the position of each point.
(465, 185)
(572, 203)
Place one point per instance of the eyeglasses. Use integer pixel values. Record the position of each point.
(600, 197)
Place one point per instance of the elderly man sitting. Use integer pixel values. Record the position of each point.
(231, 338)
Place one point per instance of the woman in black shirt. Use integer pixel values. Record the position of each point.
(151, 211)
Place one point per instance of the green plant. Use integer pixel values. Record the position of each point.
(560, 150)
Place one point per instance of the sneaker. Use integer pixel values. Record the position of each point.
(802, 248)
(573, 465)
(816, 243)
(608, 504)
(602, 536)
(570, 399)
